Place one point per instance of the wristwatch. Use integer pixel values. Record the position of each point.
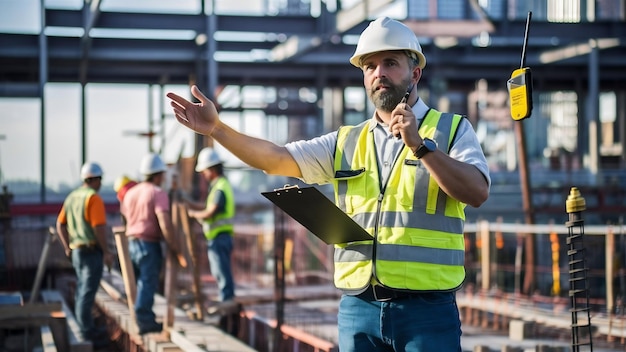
(428, 145)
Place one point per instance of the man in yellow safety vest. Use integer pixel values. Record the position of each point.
(405, 175)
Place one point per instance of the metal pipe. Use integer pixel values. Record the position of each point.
(41, 268)
(43, 78)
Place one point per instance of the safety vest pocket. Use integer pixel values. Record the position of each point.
(349, 174)
(350, 185)
(410, 172)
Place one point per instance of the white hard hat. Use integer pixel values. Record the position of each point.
(151, 164)
(385, 34)
(89, 170)
(207, 158)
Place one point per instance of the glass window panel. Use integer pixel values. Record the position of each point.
(117, 123)
(63, 142)
(19, 148)
(20, 16)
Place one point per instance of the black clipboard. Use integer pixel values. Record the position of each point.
(318, 214)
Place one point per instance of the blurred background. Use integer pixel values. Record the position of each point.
(86, 81)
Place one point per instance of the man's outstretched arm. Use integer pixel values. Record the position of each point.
(203, 118)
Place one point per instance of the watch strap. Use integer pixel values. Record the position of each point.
(423, 149)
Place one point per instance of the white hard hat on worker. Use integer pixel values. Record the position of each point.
(90, 170)
(207, 158)
(385, 34)
(152, 164)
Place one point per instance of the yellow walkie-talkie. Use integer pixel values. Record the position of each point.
(520, 85)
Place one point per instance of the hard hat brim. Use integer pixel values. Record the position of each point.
(355, 60)
(199, 168)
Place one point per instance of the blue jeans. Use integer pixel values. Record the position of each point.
(147, 258)
(219, 253)
(425, 323)
(88, 265)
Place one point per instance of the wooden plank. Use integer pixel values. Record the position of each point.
(112, 291)
(51, 314)
(185, 335)
(171, 270)
(64, 327)
(126, 266)
(47, 340)
(29, 310)
(181, 341)
(168, 347)
(25, 322)
(61, 334)
(155, 340)
(191, 246)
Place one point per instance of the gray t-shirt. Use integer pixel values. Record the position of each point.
(315, 157)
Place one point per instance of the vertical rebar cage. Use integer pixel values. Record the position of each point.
(579, 286)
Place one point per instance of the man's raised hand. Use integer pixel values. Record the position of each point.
(201, 117)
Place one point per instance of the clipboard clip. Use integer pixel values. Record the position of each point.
(286, 188)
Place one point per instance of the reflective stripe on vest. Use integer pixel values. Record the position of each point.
(222, 222)
(418, 228)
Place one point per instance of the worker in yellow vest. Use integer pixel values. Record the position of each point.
(405, 175)
(216, 215)
(82, 228)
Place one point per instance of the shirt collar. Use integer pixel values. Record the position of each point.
(420, 109)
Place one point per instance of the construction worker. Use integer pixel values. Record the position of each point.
(146, 210)
(122, 185)
(81, 227)
(216, 216)
(405, 175)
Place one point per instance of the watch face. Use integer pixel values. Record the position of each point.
(430, 144)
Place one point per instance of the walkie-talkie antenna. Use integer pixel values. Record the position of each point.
(528, 18)
(520, 84)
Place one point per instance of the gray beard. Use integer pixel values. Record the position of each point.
(388, 100)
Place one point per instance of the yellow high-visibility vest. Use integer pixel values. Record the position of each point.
(222, 222)
(417, 229)
(79, 229)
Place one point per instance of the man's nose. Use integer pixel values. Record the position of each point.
(380, 71)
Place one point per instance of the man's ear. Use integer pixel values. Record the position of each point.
(416, 74)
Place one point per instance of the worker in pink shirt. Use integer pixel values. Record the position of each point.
(146, 210)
